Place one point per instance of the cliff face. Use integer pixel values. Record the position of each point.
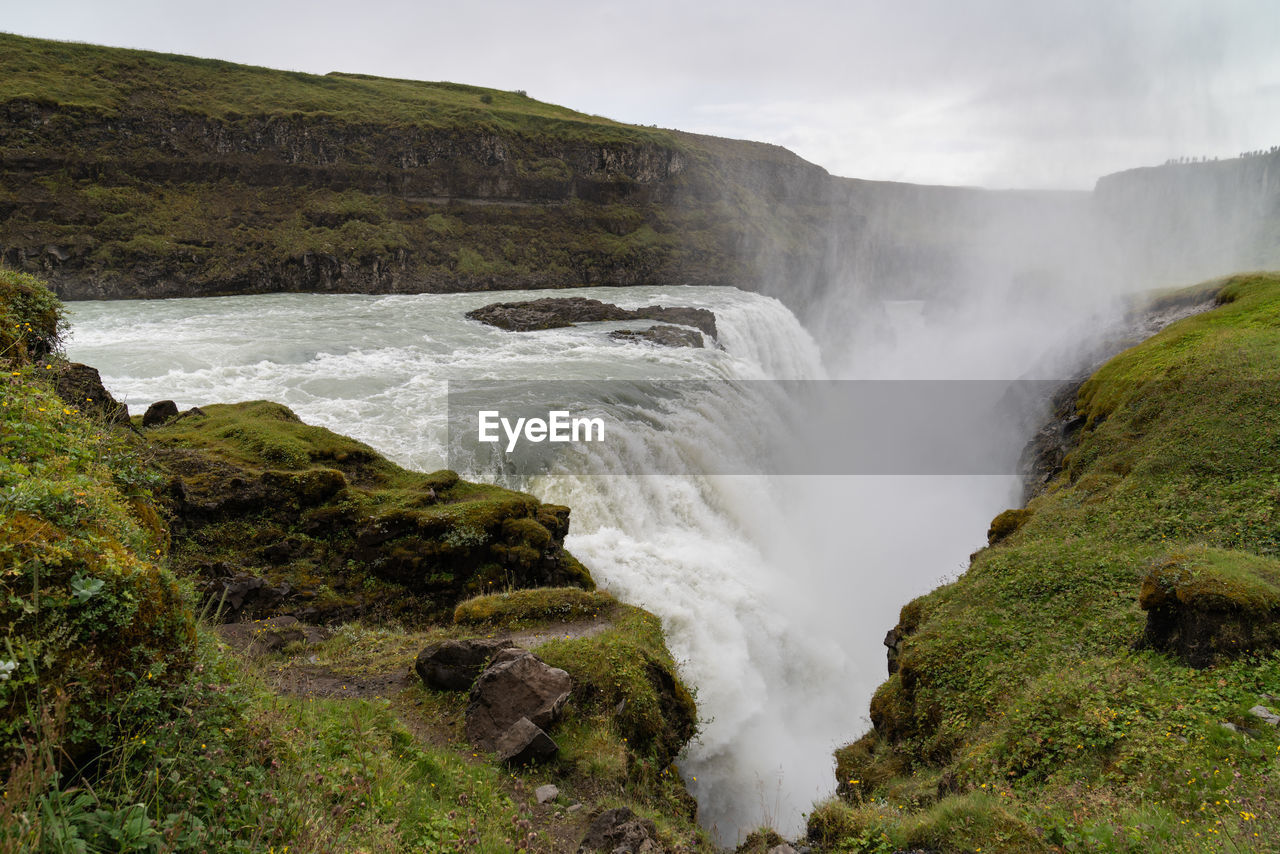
(1180, 222)
(129, 174)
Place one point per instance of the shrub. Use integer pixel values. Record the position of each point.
(30, 318)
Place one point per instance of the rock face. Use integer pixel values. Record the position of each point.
(620, 831)
(81, 387)
(453, 665)
(517, 685)
(663, 336)
(559, 312)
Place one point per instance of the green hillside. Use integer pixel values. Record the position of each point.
(1086, 684)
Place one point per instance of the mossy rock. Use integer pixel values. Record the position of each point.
(519, 608)
(867, 764)
(1006, 524)
(1210, 605)
(30, 318)
(364, 535)
(627, 675)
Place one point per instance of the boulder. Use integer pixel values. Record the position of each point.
(525, 742)
(159, 413)
(1265, 715)
(620, 831)
(549, 792)
(521, 686)
(452, 665)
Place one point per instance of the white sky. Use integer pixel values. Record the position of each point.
(1000, 93)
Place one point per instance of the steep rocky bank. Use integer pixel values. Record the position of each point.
(1104, 675)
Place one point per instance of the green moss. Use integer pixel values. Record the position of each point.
(628, 667)
(519, 608)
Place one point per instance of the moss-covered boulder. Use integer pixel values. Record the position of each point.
(335, 530)
(1210, 605)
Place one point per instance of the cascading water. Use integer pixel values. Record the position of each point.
(774, 590)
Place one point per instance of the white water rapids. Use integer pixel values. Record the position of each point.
(775, 591)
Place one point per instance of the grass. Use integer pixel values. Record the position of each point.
(115, 80)
(1023, 718)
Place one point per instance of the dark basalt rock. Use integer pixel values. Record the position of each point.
(663, 336)
(160, 412)
(453, 665)
(243, 592)
(519, 685)
(559, 312)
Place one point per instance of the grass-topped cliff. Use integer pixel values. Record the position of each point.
(127, 173)
(134, 718)
(1086, 684)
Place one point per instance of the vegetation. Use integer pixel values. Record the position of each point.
(1029, 712)
(519, 608)
(129, 726)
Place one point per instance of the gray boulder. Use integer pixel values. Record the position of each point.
(519, 686)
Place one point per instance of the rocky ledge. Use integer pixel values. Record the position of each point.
(559, 312)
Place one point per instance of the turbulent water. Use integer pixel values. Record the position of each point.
(775, 591)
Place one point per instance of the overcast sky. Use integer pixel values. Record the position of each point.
(999, 93)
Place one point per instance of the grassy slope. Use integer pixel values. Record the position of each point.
(1022, 718)
(116, 80)
(126, 726)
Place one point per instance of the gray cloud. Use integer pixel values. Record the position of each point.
(995, 92)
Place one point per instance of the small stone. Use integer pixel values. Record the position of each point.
(1265, 715)
(1230, 727)
(546, 793)
(784, 848)
(573, 808)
